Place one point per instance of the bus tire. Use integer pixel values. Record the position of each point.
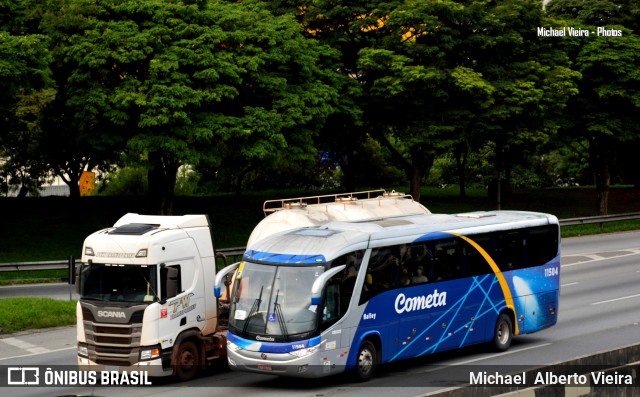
(187, 361)
(366, 362)
(503, 333)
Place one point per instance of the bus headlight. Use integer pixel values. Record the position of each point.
(232, 347)
(149, 353)
(304, 352)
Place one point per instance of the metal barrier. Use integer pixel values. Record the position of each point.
(600, 219)
(64, 264)
(236, 252)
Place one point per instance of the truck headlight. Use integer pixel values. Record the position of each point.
(149, 353)
(83, 351)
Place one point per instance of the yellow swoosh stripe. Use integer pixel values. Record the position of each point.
(496, 270)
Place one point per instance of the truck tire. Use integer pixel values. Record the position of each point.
(366, 362)
(187, 361)
(503, 333)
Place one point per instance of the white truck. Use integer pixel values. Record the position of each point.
(146, 300)
(146, 285)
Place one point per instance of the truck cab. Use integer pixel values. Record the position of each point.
(145, 297)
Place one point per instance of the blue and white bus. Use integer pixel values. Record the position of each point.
(348, 296)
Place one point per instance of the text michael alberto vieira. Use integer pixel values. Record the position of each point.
(549, 378)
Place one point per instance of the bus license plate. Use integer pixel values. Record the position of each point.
(265, 367)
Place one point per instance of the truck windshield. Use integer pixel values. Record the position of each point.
(275, 301)
(118, 283)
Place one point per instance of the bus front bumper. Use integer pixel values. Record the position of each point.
(281, 364)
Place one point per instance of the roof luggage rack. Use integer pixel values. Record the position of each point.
(270, 206)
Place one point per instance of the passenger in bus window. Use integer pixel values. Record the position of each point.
(405, 279)
(419, 277)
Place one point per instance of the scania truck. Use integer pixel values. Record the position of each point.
(146, 285)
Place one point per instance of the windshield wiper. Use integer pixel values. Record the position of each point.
(281, 322)
(254, 310)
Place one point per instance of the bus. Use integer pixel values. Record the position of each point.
(350, 296)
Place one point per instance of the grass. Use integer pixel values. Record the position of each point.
(33, 276)
(21, 314)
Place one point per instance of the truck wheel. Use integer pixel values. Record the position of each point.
(187, 361)
(503, 333)
(366, 362)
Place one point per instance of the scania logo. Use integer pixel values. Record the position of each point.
(108, 313)
(263, 356)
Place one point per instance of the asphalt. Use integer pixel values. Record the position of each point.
(32, 342)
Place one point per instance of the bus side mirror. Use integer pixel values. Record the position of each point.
(219, 281)
(318, 285)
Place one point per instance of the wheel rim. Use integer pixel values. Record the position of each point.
(365, 361)
(503, 332)
(187, 359)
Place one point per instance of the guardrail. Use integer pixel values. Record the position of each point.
(64, 264)
(600, 219)
(238, 251)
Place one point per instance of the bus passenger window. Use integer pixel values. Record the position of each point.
(332, 306)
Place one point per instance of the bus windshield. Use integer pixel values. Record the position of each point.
(118, 283)
(275, 301)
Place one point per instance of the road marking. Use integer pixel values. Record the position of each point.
(616, 299)
(568, 284)
(489, 357)
(25, 345)
(595, 257)
(35, 354)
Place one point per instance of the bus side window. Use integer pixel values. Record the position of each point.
(345, 281)
(332, 305)
(512, 245)
(542, 245)
(476, 263)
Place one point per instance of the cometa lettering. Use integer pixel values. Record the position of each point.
(435, 299)
(105, 313)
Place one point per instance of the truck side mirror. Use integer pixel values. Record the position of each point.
(78, 275)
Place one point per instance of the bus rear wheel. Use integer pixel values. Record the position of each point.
(366, 362)
(503, 333)
(187, 361)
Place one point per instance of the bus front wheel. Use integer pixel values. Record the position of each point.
(367, 362)
(503, 333)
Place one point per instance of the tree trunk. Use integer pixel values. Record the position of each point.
(162, 182)
(460, 152)
(414, 181)
(602, 178)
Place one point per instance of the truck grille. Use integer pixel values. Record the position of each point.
(113, 344)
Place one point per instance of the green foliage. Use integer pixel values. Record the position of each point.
(34, 313)
(604, 120)
(187, 83)
(126, 181)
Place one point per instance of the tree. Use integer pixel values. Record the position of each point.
(179, 80)
(24, 78)
(435, 76)
(606, 113)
